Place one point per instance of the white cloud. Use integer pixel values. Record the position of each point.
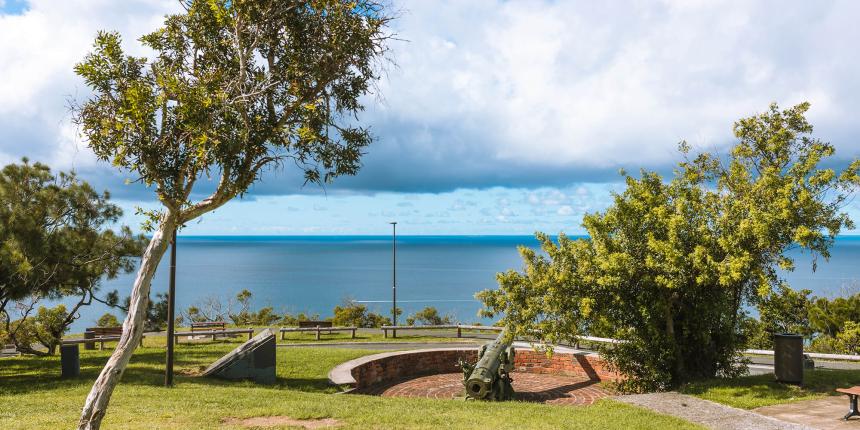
(602, 85)
(39, 49)
(565, 210)
(493, 93)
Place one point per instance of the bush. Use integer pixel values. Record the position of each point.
(428, 316)
(352, 314)
(46, 328)
(849, 339)
(824, 344)
(671, 266)
(107, 320)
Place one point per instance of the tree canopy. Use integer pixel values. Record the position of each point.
(669, 267)
(234, 87)
(55, 242)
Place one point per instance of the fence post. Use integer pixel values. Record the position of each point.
(459, 334)
(318, 332)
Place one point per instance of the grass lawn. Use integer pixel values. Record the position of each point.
(415, 336)
(761, 390)
(33, 397)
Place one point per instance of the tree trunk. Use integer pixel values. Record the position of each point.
(132, 328)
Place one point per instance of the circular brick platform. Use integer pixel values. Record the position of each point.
(543, 388)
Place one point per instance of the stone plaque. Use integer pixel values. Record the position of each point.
(254, 360)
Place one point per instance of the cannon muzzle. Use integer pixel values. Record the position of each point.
(489, 378)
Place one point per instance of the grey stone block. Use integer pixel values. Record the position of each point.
(254, 360)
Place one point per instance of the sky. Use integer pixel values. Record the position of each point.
(499, 117)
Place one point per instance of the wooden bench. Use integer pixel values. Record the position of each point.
(315, 324)
(9, 350)
(102, 335)
(101, 339)
(853, 393)
(316, 329)
(215, 333)
(208, 326)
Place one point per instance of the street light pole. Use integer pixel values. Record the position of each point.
(394, 276)
(171, 310)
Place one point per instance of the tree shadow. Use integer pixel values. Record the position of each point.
(553, 393)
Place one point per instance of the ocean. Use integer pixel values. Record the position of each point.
(312, 274)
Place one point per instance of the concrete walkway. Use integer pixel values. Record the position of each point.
(709, 414)
(823, 414)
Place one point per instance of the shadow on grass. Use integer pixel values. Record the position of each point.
(28, 374)
(818, 381)
(25, 374)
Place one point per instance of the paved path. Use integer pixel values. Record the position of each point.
(823, 414)
(529, 387)
(709, 414)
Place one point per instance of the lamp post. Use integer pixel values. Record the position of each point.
(394, 276)
(171, 310)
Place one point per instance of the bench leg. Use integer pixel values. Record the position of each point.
(852, 407)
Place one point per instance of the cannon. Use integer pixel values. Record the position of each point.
(490, 377)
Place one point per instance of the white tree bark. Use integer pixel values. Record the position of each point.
(132, 328)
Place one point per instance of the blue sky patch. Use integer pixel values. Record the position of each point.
(13, 7)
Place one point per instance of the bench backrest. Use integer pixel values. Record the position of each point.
(208, 325)
(306, 324)
(105, 331)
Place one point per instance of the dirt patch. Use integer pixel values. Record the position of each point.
(278, 421)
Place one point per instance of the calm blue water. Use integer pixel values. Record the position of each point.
(314, 273)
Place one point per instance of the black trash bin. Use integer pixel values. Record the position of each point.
(70, 361)
(788, 358)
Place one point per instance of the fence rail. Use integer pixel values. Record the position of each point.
(460, 327)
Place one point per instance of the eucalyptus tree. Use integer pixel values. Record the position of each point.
(669, 267)
(233, 88)
(54, 243)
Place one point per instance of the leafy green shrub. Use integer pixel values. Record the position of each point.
(428, 316)
(670, 267)
(352, 314)
(46, 328)
(849, 338)
(107, 320)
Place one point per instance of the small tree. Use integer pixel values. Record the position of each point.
(352, 314)
(107, 320)
(669, 267)
(849, 338)
(234, 87)
(784, 310)
(428, 316)
(54, 243)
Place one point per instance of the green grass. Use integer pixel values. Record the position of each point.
(751, 392)
(33, 397)
(292, 337)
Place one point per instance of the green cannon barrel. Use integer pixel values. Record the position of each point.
(489, 378)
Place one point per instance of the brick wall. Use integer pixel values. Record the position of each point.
(417, 363)
(589, 365)
(400, 365)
